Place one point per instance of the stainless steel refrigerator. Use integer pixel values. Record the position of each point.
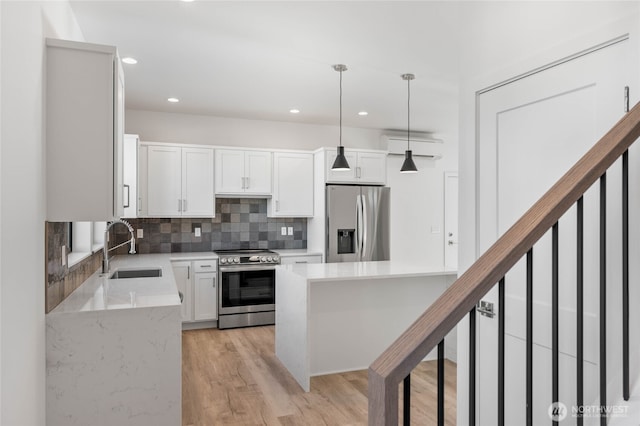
(357, 223)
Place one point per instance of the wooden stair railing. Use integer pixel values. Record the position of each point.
(396, 363)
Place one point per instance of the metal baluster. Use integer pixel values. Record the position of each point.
(625, 275)
(530, 337)
(554, 319)
(472, 367)
(603, 297)
(441, 383)
(406, 406)
(580, 309)
(501, 320)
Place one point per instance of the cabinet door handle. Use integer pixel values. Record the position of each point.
(126, 205)
(139, 204)
(242, 182)
(277, 205)
(247, 187)
(179, 205)
(358, 172)
(188, 272)
(205, 266)
(184, 205)
(302, 261)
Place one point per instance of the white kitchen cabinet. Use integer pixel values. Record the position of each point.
(84, 132)
(313, 258)
(206, 296)
(130, 175)
(179, 181)
(292, 185)
(182, 275)
(367, 167)
(243, 172)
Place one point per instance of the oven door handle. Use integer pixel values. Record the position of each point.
(247, 268)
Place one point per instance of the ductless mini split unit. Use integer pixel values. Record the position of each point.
(420, 146)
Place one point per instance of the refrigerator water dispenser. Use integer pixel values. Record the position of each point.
(346, 241)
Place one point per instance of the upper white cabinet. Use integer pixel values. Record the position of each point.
(130, 176)
(178, 181)
(292, 185)
(84, 132)
(367, 167)
(243, 172)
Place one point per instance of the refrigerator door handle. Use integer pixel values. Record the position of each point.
(358, 227)
(364, 252)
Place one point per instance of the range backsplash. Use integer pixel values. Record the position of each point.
(239, 223)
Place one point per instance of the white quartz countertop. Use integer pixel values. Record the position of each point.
(99, 293)
(297, 252)
(363, 270)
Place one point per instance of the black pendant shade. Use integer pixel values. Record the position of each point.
(408, 166)
(341, 161)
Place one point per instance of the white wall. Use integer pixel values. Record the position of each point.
(210, 130)
(22, 204)
(503, 40)
(417, 208)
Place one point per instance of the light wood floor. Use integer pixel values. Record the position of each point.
(232, 377)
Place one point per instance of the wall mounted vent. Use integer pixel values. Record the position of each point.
(420, 146)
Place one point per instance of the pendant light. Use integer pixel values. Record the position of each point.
(408, 166)
(341, 161)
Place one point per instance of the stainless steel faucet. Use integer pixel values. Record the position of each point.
(106, 250)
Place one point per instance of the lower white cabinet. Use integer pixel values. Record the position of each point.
(206, 292)
(197, 281)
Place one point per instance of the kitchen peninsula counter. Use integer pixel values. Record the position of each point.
(336, 317)
(114, 348)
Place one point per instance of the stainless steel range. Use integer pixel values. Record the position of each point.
(247, 289)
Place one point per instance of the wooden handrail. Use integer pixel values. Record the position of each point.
(397, 361)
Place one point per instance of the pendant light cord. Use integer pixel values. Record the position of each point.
(408, 109)
(340, 107)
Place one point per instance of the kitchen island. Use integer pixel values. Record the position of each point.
(336, 317)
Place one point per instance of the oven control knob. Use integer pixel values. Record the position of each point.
(223, 260)
(236, 260)
(263, 259)
(269, 259)
(276, 259)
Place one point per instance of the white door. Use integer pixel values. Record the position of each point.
(197, 182)
(205, 300)
(257, 172)
(292, 184)
(372, 167)
(164, 177)
(530, 132)
(229, 171)
(130, 175)
(451, 220)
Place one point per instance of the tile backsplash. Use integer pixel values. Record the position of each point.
(62, 280)
(240, 223)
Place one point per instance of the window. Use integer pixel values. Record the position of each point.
(85, 238)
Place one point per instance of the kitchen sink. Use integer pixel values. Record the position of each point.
(136, 273)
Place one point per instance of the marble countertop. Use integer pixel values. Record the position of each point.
(363, 270)
(99, 293)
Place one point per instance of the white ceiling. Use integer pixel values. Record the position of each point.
(257, 60)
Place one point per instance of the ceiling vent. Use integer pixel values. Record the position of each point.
(420, 146)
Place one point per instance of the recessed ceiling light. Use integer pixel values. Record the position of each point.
(363, 113)
(173, 100)
(294, 111)
(130, 61)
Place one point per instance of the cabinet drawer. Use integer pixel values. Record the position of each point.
(301, 259)
(205, 265)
